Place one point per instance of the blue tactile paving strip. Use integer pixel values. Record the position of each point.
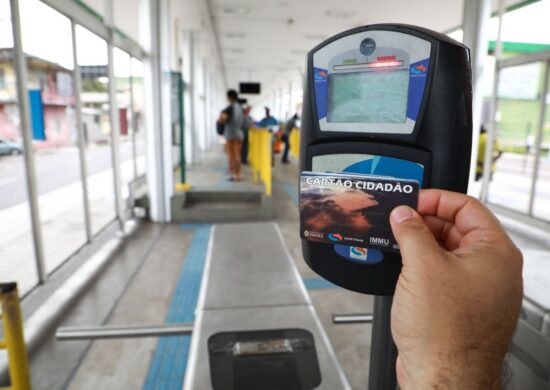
(169, 362)
(318, 284)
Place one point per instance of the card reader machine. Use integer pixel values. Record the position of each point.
(386, 100)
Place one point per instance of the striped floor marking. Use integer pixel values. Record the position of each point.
(314, 283)
(169, 362)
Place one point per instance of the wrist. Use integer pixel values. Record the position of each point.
(464, 370)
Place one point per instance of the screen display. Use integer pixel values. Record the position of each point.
(251, 88)
(378, 96)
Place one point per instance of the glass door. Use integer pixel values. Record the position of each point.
(517, 121)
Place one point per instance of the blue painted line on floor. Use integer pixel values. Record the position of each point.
(169, 362)
(291, 190)
(318, 284)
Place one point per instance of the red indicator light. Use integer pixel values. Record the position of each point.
(386, 58)
(383, 64)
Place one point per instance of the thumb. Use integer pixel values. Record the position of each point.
(414, 237)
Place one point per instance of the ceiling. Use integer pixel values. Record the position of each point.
(266, 40)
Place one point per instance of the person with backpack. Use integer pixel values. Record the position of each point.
(231, 118)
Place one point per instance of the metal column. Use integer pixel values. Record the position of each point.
(133, 122)
(80, 137)
(192, 100)
(475, 23)
(114, 116)
(539, 138)
(291, 109)
(281, 109)
(26, 133)
(155, 102)
(492, 129)
(383, 353)
(205, 105)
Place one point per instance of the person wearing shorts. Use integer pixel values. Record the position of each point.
(232, 120)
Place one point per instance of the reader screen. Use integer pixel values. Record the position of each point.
(368, 97)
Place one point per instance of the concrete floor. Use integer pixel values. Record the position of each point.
(134, 289)
(137, 286)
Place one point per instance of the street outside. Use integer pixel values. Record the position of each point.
(60, 204)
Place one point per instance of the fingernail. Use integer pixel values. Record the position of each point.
(401, 213)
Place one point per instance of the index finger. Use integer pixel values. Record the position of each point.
(465, 212)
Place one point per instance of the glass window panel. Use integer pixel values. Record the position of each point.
(92, 59)
(47, 43)
(541, 206)
(17, 262)
(524, 30)
(517, 120)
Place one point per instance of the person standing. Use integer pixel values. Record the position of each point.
(483, 137)
(289, 126)
(232, 120)
(268, 121)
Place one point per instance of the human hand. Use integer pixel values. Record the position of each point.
(459, 294)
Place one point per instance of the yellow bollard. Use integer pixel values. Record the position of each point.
(295, 142)
(14, 340)
(259, 156)
(267, 163)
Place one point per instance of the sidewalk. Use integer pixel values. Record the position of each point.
(62, 226)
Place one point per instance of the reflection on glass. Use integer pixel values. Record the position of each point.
(92, 59)
(17, 261)
(47, 42)
(138, 124)
(517, 121)
(541, 205)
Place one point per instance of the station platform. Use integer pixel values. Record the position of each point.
(220, 277)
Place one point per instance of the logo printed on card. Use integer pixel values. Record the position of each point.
(335, 237)
(358, 253)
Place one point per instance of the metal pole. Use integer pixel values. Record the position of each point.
(133, 120)
(491, 131)
(114, 120)
(205, 104)
(80, 137)
(14, 339)
(192, 100)
(114, 114)
(182, 128)
(475, 21)
(539, 138)
(26, 133)
(383, 353)
(116, 332)
(338, 319)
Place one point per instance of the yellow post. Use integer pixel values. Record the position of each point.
(14, 340)
(295, 142)
(259, 156)
(267, 169)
